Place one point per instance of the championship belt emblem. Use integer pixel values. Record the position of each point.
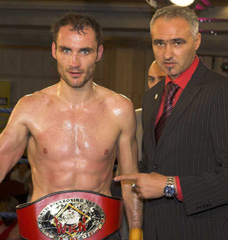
(73, 218)
(70, 215)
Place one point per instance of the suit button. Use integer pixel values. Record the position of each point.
(155, 166)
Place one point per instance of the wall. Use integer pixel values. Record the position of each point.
(25, 45)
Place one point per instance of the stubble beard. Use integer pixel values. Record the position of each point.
(89, 75)
(174, 75)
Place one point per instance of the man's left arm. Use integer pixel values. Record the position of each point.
(210, 190)
(207, 190)
(127, 160)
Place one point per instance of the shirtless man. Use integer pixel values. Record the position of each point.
(75, 129)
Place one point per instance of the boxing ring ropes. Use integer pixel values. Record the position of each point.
(22, 160)
(6, 110)
(13, 214)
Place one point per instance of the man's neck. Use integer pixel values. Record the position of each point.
(76, 97)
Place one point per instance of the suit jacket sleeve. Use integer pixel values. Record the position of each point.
(210, 189)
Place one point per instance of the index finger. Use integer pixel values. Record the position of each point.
(126, 177)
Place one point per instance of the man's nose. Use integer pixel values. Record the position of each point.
(75, 60)
(168, 52)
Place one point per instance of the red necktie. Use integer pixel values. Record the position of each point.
(170, 90)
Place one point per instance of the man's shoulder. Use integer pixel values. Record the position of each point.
(38, 97)
(33, 102)
(117, 106)
(211, 74)
(114, 99)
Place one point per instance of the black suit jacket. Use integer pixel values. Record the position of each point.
(193, 146)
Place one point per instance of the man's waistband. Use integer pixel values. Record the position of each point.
(70, 215)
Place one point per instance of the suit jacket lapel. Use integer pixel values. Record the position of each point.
(187, 96)
(155, 101)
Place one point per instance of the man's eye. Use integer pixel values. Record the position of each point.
(84, 52)
(151, 79)
(178, 43)
(161, 78)
(66, 50)
(159, 44)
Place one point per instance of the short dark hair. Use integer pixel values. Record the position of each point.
(79, 23)
(173, 11)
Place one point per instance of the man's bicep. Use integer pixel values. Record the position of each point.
(13, 141)
(127, 145)
(15, 135)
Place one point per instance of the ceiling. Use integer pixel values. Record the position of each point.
(213, 2)
(203, 4)
(30, 21)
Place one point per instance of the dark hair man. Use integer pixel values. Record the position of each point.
(185, 143)
(74, 130)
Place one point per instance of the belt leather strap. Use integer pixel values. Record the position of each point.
(70, 215)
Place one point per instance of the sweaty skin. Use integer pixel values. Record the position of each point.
(69, 148)
(75, 129)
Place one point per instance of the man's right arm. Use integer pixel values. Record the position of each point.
(127, 159)
(13, 140)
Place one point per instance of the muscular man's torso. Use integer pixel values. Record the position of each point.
(71, 148)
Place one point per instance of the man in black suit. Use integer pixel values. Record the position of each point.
(185, 156)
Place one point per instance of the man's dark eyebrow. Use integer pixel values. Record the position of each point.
(64, 48)
(89, 49)
(172, 40)
(178, 40)
(158, 41)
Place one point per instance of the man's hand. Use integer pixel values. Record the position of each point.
(147, 185)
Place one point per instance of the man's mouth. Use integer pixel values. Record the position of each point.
(75, 73)
(169, 64)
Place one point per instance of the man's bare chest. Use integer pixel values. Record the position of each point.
(74, 134)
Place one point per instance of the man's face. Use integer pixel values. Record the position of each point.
(76, 55)
(155, 75)
(173, 45)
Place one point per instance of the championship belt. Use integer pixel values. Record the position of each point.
(70, 215)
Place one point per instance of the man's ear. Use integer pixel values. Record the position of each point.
(100, 53)
(197, 41)
(53, 50)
